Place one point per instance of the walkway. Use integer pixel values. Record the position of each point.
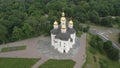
(30, 52)
(40, 62)
(80, 57)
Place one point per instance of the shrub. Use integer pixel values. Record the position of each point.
(112, 53)
(96, 42)
(119, 38)
(107, 45)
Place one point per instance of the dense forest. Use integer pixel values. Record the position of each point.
(21, 19)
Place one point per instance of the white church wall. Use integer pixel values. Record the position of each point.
(67, 48)
(70, 43)
(52, 39)
(73, 37)
(61, 45)
(56, 43)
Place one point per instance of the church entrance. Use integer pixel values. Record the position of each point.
(64, 51)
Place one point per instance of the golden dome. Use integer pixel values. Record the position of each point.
(63, 19)
(63, 27)
(55, 23)
(71, 22)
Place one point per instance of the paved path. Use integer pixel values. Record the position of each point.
(80, 57)
(30, 52)
(40, 62)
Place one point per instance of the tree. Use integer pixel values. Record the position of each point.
(80, 11)
(119, 38)
(17, 33)
(56, 5)
(94, 17)
(35, 24)
(112, 53)
(107, 21)
(102, 8)
(97, 42)
(117, 8)
(27, 30)
(100, 45)
(86, 29)
(107, 45)
(3, 33)
(93, 43)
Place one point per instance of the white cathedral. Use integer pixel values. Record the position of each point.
(63, 35)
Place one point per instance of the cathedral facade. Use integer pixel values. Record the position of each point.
(63, 35)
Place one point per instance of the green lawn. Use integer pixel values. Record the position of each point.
(17, 62)
(7, 49)
(100, 60)
(58, 64)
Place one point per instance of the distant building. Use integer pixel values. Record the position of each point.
(63, 35)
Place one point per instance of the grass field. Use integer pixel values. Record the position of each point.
(58, 64)
(7, 49)
(17, 62)
(97, 60)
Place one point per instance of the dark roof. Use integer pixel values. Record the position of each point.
(54, 31)
(63, 36)
(71, 30)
